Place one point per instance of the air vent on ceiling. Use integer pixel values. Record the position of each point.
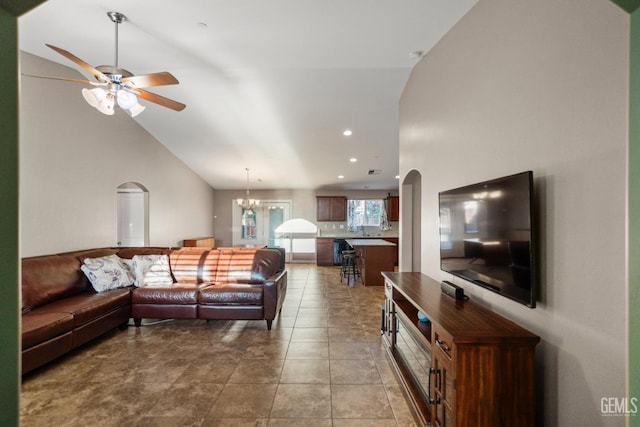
(375, 171)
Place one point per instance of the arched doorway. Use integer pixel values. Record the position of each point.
(133, 215)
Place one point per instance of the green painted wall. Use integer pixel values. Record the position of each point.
(633, 374)
(9, 324)
(628, 5)
(634, 214)
(9, 267)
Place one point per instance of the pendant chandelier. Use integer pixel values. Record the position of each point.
(248, 203)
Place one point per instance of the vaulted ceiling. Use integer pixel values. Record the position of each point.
(269, 85)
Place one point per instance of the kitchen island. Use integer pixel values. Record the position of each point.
(374, 257)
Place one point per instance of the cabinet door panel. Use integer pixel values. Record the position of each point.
(393, 207)
(338, 209)
(324, 251)
(443, 386)
(323, 212)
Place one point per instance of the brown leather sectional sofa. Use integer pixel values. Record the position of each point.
(61, 310)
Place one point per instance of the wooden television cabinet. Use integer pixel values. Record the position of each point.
(466, 366)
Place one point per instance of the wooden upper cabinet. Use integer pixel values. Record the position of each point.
(331, 208)
(393, 208)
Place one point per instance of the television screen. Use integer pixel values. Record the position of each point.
(487, 235)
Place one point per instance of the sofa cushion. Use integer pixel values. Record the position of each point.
(39, 327)
(186, 264)
(209, 267)
(151, 270)
(266, 263)
(232, 293)
(178, 293)
(107, 273)
(89, 305)
(130, 252)
(235, 265)
(49, 278)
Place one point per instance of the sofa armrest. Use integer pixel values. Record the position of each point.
(275, 289)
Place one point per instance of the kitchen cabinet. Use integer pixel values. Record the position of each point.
(393, 208)
(396, 249)
(324, 251)
(331, 208)
(373, 256)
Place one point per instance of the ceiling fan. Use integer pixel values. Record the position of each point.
(120, 85)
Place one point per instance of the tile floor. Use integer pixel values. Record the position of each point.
(322, 364)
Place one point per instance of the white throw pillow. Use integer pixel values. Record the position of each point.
(152, 271)
(106, 273)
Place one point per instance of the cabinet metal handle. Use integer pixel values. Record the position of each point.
(443, 346)
(431, 372)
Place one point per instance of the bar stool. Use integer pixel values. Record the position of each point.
(349, 266)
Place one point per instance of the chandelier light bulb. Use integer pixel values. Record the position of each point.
(248, 203)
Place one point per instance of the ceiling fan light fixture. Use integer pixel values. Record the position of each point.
(136, 109)
(105, 105)
(123, 86)
(92, 96)
(126, 99)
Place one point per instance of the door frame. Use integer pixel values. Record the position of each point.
(261, 212)
(128, 188)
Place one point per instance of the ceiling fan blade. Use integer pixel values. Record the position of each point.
(155, 79)
(65, 79)
(80, 63)
(160, 100)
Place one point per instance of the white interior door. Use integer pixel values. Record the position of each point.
(132, 218)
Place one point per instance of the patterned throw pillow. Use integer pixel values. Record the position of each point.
(152, 271)
(106, 273)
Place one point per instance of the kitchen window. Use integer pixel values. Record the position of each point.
(364, 212)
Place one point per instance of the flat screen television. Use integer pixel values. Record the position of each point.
(487, 233)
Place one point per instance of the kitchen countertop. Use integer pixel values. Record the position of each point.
(357, 236)
(369, 242)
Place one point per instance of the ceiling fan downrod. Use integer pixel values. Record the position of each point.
(116, 18)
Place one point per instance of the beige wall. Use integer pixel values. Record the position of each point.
(72, 159)
(542, 86)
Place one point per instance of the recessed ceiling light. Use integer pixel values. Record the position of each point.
(202, 25)
(347, 132)
(340, 176)
(353, 160)
(397, 176)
